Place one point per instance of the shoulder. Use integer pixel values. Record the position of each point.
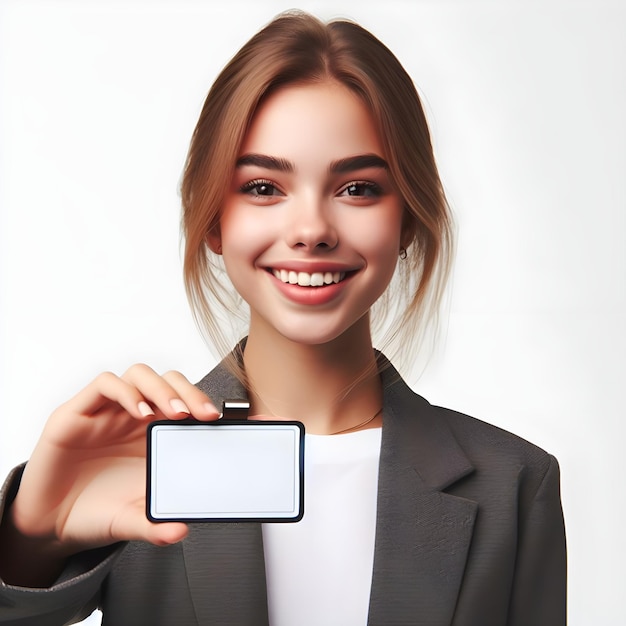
(478, 436)
(439, 436)
(502, 457)
(506, 466)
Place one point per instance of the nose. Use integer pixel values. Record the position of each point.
(310, 225)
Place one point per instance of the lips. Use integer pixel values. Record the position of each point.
(306, 279)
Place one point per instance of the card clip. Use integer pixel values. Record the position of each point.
(235, 409)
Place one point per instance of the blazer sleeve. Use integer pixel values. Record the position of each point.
(71, 598)
(539, 593)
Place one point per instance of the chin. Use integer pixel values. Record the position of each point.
(311, 338)
(315, 333)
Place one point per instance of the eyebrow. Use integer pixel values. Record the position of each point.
(342, 166)
(361, 162)
(266, 162)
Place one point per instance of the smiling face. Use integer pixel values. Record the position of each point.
(311, 226)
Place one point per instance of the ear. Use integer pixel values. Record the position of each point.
(409, 230)
(214, 240)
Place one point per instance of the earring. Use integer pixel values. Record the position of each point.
(403, 254)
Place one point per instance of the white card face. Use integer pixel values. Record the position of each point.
(226, 471)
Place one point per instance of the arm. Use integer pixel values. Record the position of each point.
(71, 596)
(538, 595)
(83, 492)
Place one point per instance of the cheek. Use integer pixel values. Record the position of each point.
(379, 240)
(242, 233)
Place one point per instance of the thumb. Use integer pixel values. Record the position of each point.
(135, 526)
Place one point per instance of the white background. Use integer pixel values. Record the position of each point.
(526, 101)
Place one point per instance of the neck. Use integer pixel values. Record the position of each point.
(330, 387)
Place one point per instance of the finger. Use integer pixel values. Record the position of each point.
(157, 391)
(199, 403)
(108, 388)
(166, 533)
(133, 525)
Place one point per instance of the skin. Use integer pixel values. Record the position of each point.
(84, 486)
(304, 200)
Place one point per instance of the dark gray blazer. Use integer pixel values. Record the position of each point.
(469, 533)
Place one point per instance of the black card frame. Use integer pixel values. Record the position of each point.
(211, 516)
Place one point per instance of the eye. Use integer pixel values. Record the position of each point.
(260, 188)
(361, 189)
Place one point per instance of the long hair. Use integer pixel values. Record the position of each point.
(297, 48)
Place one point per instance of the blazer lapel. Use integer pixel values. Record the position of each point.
(226, 573)
(422, 534)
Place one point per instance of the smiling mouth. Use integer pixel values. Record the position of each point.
(304, 279)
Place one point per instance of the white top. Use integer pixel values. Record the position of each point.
(319, 570)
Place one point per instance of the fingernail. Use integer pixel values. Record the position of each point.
(179, 406)
(145, 409)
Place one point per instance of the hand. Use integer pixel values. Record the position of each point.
(84, 486)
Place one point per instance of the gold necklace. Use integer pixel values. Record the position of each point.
(337, 432)
(367, 421)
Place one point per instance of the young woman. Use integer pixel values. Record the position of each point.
(312, 187)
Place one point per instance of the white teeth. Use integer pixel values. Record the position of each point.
(304, 279)
(317, 279)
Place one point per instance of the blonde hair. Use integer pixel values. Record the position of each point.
(298, 48)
